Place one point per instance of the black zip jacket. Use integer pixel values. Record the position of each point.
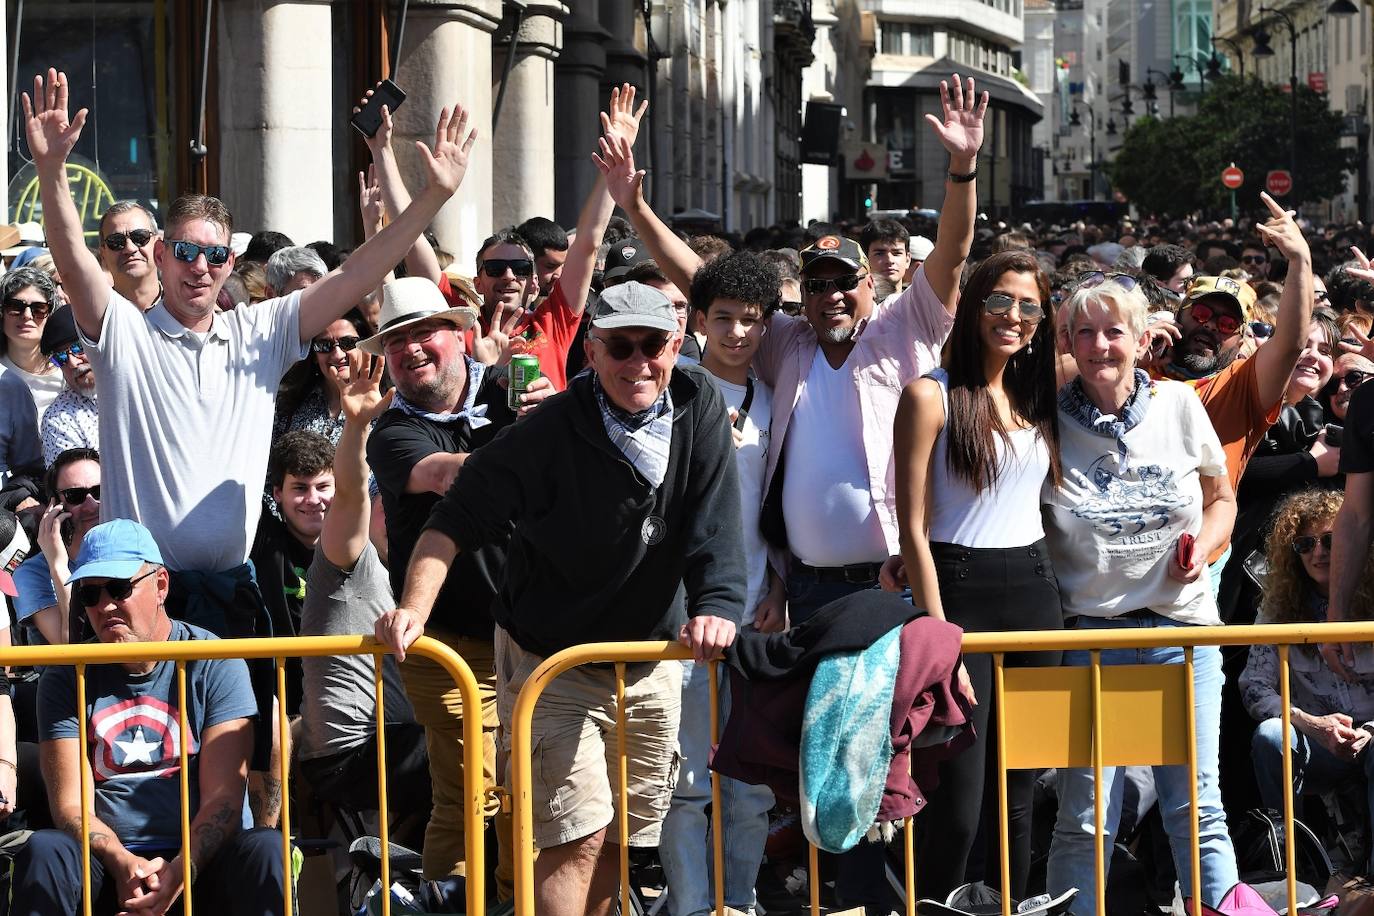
(597, 554)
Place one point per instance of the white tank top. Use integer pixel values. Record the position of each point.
(1007, 514)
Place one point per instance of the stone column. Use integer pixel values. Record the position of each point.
(522, 149)
(447, 60)
(577, 98)
(276, 128)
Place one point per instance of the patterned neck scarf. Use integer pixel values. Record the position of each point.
(474, 413)
(644, 438)
(1074, 402)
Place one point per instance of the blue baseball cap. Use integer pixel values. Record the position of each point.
(115, 550)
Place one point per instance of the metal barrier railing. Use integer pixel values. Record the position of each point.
(279, 649)
(1152, 721)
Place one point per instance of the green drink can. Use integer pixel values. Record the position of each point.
(524, 369)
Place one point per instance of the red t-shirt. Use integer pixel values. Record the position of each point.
(546, 332)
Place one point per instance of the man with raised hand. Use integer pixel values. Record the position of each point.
(187, 391)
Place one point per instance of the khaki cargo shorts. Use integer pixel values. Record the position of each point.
(574, 770)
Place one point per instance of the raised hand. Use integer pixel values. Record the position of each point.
(1282, 232)
(448, 162)
(370, 201)
(623, 119)
(961, 130)
(1365, 271)
(494, 347)
(50, 132)
(617, 162)
(360, 398)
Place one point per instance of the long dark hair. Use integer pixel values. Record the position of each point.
(305, 376)
(973, 424)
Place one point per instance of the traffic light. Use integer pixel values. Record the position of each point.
(868, 202)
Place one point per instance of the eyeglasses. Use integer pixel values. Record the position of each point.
(1304, 544)
(59, 359)
(394, 343)
(1226, 322)
(521, 267)
(140, 237)
(819, 286)
(17, 307)
(1354, 378)
(1091, 278)
(1262, 330)
(1255, 259)
(117, 589)
(325, 345)
(215, 255)
(622, 348)
(999, 304)
(75, 496)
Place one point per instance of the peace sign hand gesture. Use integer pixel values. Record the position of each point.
(961, 131)
(50, 132)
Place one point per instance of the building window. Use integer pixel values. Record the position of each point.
(906, 39)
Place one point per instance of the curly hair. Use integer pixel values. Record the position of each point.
(1286, 584)
(747, 276)
(299, 453)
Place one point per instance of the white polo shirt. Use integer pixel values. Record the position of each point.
(186, 423)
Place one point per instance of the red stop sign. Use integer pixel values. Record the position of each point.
(1232, 177)
(1278, 182)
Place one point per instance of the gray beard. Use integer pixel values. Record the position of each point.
(838, 335)
(1207, 365)
(438, 395)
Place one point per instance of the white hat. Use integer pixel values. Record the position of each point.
(410, 300)
(920, 247)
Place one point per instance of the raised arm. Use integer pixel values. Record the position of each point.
(344, 536)
(576, 280)
(336, 293)
(1276, 359)
(51, 135)
(961, 134)
(420, 259)
(626, 187)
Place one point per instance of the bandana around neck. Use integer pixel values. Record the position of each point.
(1075, 404)
(474, 413)
(644, 438)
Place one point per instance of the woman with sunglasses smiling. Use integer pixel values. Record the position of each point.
(975, 444)
(309, 398)
(44, 602)
(28, 296)
(1331, 716)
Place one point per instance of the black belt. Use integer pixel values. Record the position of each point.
(853, 574)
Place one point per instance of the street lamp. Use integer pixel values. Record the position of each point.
(1168, 82)
(1076, 121)
(1342, 8)
(1197, 66)
(1263, 49)
(1214, 65)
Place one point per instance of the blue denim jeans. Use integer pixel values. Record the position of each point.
(685, 844)
(1072, 861)
(1315, 769)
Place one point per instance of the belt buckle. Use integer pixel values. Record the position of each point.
(857, 574)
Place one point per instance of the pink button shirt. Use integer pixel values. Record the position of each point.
(898, 343)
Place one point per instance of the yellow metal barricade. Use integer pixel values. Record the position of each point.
(279, 649)
(1093, 716)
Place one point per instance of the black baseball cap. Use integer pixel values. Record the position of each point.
(622, 256)
(59, 331)
(834, 248)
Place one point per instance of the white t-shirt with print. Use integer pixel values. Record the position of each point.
(1112, 528)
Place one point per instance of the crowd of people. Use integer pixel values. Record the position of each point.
(733, 442)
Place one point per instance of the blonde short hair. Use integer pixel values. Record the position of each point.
(1127, 304)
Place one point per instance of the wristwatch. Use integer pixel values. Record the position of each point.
(963, 179)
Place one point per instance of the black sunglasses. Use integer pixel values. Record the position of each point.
(1255, 259)
(1305, 543)
(75, 496)
(140, 237)
(17, 307)
(325, 345)
(999, 304)
(1262, 330)
(819, 286)
(620, 348)
(117, 589)
(790, 306)
(1354, 378)
(521, 267)
(215, 255)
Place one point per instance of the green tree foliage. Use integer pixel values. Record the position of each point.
(1173, 166)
